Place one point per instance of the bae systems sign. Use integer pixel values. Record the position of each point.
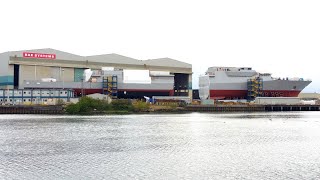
(38, 55)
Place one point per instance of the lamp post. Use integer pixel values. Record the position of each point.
(62, 78)
(82, 87)
(35, 72)
(8, 91)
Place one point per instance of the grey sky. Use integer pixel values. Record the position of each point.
(277, 36)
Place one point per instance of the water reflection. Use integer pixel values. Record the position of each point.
(181, 146)
(264, 115)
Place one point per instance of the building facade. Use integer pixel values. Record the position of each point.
(54, 69)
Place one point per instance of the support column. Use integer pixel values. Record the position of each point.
(35, 72)
(190, 86)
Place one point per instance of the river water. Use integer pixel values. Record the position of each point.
(170, 146)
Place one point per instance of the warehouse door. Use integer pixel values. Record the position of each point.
(181, 84)
(16, 69)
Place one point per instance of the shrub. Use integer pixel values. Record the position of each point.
(87, 105)
(73, 109)
(60, 102)
(173, 106)
(141, 106)
(122, 104)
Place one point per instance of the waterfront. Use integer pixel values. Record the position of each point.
(278, 145)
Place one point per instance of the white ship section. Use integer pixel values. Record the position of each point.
(285, 85)
(221, 81)
(158, 82)
(235, 78)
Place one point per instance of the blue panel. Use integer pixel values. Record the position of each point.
(78, 74)
(6, 80)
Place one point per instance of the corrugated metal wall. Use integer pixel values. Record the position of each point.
(48, 72)
(68, 74)
(26, 73)
(32, 73)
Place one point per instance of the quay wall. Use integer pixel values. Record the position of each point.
(34, 109)
(58, 109)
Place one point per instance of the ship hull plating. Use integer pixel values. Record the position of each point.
(276, 88)
(241, 94)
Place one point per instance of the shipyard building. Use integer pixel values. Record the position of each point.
(51, 70)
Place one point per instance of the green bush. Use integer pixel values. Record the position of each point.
(87, 105)
(141, 106)
(73, 109)
(122, 105)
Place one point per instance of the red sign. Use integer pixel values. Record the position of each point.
(38, 55)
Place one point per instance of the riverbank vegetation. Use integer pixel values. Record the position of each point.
(87, 105)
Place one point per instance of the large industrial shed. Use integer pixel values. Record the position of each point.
(54, 69)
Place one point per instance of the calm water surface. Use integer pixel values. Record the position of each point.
(180, 146)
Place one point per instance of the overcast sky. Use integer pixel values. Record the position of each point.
(277, 36)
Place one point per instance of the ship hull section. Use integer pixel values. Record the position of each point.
(275, 88)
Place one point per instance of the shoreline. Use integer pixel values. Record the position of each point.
(60, 109)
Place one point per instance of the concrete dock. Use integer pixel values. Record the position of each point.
(292, 107)
(224, 108)
(251, 108)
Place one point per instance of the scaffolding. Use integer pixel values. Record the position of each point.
(110, 86)
(255, 88)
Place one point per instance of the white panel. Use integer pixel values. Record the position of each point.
(136, 76)
(4, 59)
(107, 68)
(159, 73)
(87, 74)
(204, 84)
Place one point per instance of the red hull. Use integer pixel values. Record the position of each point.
(242, 94)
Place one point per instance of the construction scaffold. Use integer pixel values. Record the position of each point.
(255, 88)
(110, 86)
